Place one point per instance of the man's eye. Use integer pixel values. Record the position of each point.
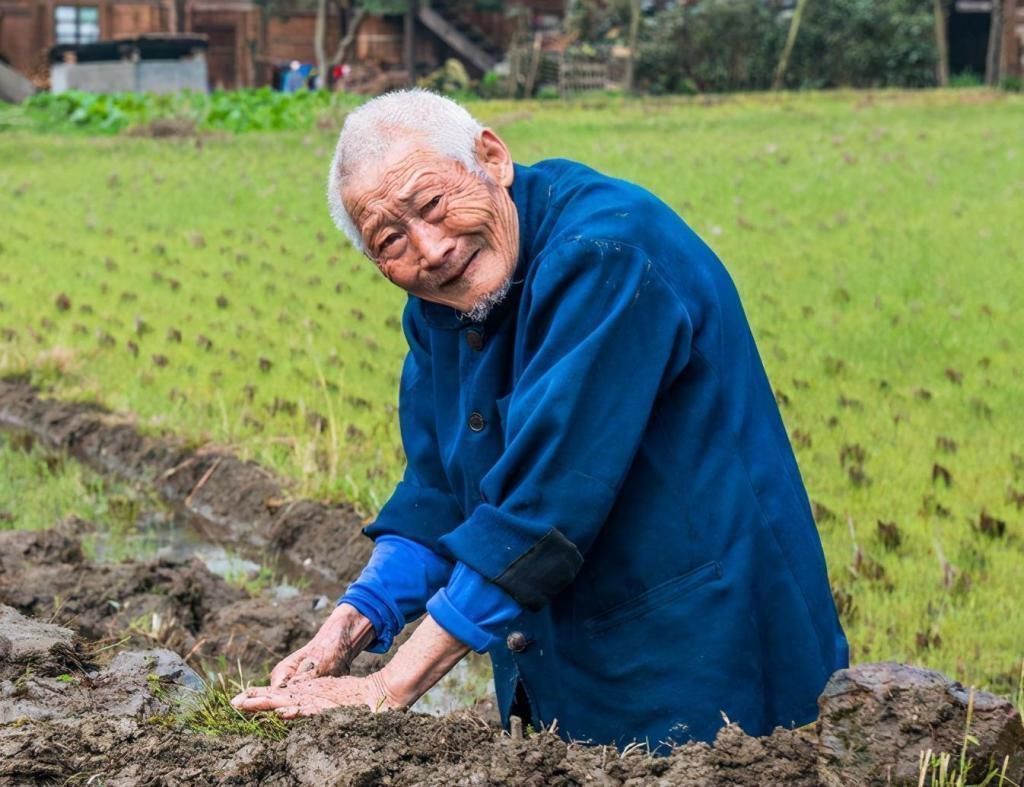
(432, 204)
(389, 241)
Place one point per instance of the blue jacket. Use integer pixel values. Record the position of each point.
(605, 449)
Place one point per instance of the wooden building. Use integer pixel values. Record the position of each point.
(969, 27)
(29, 28)
(245, 46)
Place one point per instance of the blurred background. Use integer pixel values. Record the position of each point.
(516, 49)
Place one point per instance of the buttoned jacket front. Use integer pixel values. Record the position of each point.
(607, 449)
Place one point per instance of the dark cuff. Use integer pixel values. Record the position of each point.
(530, 562)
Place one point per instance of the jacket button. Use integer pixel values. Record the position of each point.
(476, 422)
(517, 642)
(474, 340)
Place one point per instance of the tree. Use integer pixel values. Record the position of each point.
(941, 43)
(350, 20)
(634, 31)
(995, 40)
(794, 28)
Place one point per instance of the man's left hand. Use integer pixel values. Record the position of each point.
(417, 665)
(317, 695)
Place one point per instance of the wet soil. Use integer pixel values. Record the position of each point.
(66, 720)
(180, 605)
(231, 501)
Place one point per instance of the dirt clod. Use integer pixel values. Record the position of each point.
(876, 719)
(31, 644)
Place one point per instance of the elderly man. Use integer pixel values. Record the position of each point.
(600, 491)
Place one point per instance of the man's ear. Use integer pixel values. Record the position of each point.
(492, 154)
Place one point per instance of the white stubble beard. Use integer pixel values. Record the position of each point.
(479, 311)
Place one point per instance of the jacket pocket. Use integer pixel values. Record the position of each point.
(653, 599)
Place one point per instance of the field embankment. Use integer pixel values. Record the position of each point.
(64, 718)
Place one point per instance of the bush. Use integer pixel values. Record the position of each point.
(451, 77)
(716, 45)
(1012, 84)
(238, 111)
(865, 43)
(966, 79)
(722, 45)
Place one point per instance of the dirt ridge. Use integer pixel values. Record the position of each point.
(874, 719)
(70, 722)
(233, 501)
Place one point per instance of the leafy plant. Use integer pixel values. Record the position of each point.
(237, 111)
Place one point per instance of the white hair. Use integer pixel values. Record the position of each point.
(383, 122)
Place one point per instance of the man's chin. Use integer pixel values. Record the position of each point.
(483, 306)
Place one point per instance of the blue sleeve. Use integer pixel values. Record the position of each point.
(395, 585)
(471, 609)
(601, 336)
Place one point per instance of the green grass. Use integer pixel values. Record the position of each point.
(39, 489)
(210, 712)
(874, 238)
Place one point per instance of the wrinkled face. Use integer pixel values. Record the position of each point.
(436, 230)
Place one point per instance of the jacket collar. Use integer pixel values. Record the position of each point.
(530, 192)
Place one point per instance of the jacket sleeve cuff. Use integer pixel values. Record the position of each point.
(386, 620)
(417, 513)
(441, 609)
(532, 562)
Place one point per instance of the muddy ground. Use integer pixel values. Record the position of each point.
(232, 501)
(69, 716)
(180, 605)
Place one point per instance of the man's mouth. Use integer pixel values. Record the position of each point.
(460, 271)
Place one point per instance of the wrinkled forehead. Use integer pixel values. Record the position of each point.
(391, 179)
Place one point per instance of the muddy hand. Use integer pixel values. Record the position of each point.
(313, 696)
(341, 638)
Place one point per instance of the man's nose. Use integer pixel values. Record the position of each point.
(432, 243)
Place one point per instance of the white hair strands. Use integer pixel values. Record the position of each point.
(372, 129)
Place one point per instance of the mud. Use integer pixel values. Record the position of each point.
(76, 722)
(860, 744)
(180, 605)
(70, 721)
(232, 502)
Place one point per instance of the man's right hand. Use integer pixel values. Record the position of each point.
(342, 637)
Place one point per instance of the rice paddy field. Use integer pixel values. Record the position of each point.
(876, 239)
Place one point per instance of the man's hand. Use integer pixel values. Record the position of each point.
(422, 661)
(310, 697)
(341, 638)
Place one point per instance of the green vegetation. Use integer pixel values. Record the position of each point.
(38, 489)
(727, 45)
(873, 236)
(259, 109)
(211, 713)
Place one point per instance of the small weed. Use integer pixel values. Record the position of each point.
(213, 714)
